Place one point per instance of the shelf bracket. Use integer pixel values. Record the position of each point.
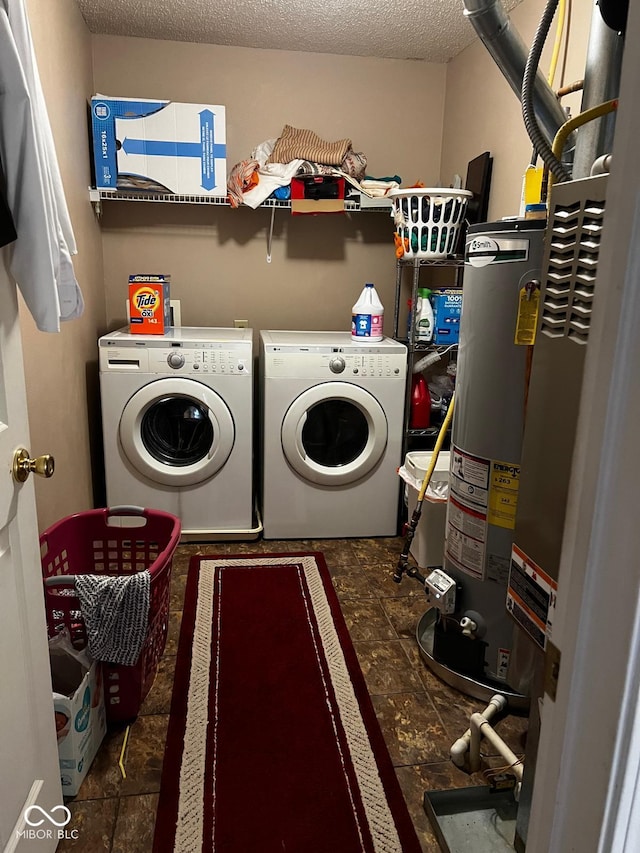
(96, 201)
(270, 234)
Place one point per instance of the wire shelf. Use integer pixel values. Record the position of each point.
(453, 261)
(429, 432)
(427, 347)
(98, 196)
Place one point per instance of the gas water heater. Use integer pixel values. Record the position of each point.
(501, 293)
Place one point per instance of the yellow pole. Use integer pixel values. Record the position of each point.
(436, 450)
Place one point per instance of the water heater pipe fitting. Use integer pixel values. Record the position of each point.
(481, 728)
(473, 624)
(469, 627)
(602, 166)
(459, 749)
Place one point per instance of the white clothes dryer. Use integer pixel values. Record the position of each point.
(177, 418)
(332, 422)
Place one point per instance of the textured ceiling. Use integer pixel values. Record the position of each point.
(433, 30)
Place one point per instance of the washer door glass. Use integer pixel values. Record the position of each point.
(334, 433)
(177, 432)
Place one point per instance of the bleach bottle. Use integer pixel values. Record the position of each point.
(367, 315)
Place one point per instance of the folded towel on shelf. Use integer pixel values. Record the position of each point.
(116, 615)
(376, 188)
(297, 144)
(307, 167)
(353, 166)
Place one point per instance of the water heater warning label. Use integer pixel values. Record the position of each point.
(531, 597)
(471, 474)
(466, 536)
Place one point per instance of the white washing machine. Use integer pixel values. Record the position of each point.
(332, 421)
(177, 416)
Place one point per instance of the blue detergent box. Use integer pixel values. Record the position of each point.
(447, 308)
(159, 146)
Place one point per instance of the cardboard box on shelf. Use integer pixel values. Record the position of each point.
(317, 194)
(447, 307)
(78, 704)
(159, 147)
(149, 304)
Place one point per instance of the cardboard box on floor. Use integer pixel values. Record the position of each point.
(78, 702)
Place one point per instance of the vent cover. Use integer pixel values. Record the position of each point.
(571, 257)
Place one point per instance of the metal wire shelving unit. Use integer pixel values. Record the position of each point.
(413, 347)
(98, 196)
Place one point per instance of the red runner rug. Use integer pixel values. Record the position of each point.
(273, 744)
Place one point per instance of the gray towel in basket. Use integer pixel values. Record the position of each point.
(116, 613)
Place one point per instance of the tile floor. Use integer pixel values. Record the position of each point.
(419, 715)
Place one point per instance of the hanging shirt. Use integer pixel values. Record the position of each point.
(7, 228)
(40, 259)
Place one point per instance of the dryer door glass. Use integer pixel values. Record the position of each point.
(177, 430)
(335, 433)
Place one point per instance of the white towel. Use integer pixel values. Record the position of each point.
(270, 177)
(378, 189)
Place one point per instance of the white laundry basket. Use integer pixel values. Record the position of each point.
(427, 220)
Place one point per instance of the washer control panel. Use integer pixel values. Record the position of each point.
(175, 360)
(209, 358)
(204, 359)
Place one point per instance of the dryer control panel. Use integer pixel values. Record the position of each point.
(332, 364)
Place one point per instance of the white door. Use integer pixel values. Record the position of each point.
(30, 773)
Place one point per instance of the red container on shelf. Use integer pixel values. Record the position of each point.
(420, 412)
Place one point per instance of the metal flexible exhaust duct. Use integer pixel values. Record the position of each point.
(505, 45)
(528, 110)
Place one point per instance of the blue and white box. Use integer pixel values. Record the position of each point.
(447, 307)
(159, 146)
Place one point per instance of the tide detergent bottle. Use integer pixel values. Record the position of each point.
(367, 316)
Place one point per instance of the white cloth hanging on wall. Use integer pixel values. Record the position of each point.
(40, 259)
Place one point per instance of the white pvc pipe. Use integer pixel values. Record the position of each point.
(481, 728)
(459, 749)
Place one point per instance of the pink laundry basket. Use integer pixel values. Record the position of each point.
(112, 541)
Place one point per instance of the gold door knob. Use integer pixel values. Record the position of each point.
(43, 466)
